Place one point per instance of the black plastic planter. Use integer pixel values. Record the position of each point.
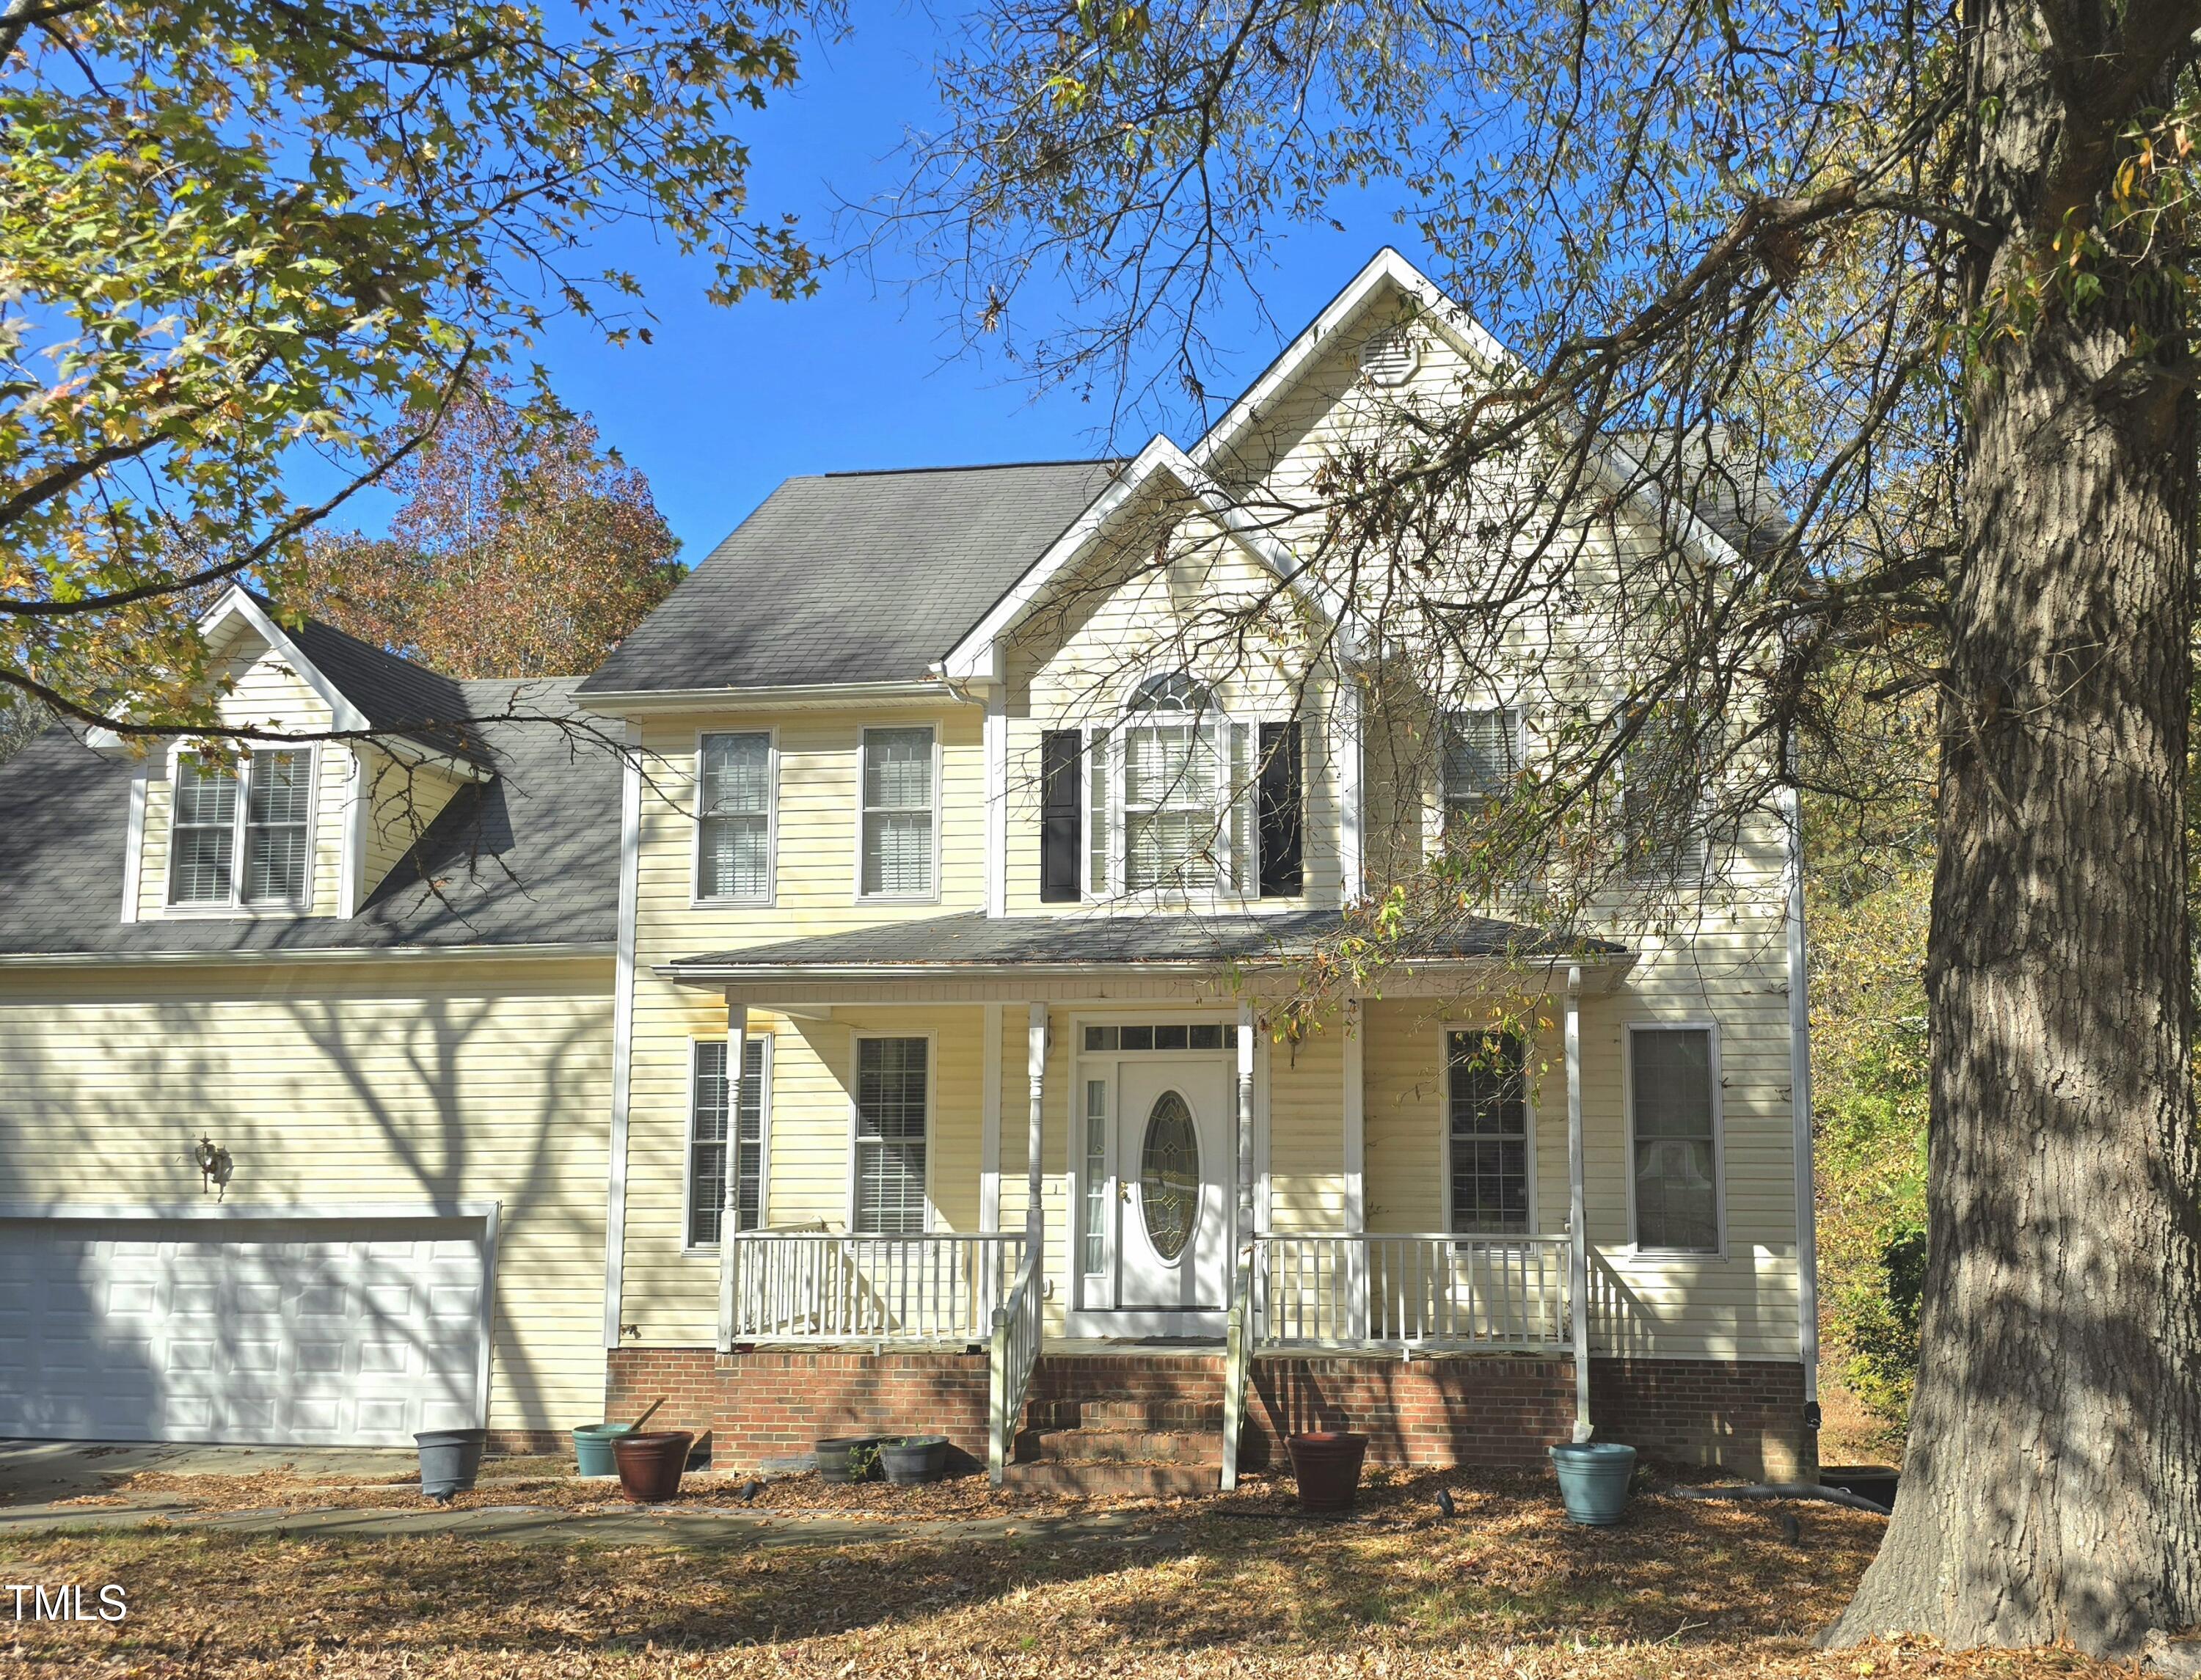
(449, 1460)
(848, 1457)
(914, 1459)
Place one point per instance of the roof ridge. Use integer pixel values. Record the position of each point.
(971, 467)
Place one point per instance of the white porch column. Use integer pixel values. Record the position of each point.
(1353, 1118)
(1578, 1211)
(1035, 1208)
(990, 1121)
(1245, 1122)
(738, 1033)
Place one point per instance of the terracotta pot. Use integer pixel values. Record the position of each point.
(1328, 1464)
(649, 1464)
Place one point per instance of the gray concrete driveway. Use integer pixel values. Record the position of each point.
(35, 1472)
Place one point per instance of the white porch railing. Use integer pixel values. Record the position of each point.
(818, 1286)
(1375, 1289)
(1014, 1354)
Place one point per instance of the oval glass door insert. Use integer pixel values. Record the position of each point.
(1169, 1176)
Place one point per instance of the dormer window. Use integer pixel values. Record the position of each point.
(242, 835)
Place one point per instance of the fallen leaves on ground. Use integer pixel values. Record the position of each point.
(1241, 1586)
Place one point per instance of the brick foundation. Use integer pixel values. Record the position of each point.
(526, 1443)
(1497, 1412)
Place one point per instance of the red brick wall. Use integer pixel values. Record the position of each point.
(775, 1405)
(1744, 1415)
(1497, 1412)
(637, 1375)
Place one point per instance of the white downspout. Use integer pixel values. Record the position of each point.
(1577, 1210)
(1799, 1094)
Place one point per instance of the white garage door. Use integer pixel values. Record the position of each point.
(353, 1331)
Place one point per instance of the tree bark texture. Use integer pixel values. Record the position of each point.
(2052, 1487)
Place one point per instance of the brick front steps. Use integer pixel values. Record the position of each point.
(1118, 1447)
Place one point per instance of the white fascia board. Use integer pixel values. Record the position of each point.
(639, 703)
(238, 604)
(1600, 974)
(977, 657)
(292, 1212)
(1469, 338)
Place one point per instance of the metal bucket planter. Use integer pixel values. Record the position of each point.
(449, 1460)
(1593, 1477)
(649, 1464)
(848, 1457)
(1327, 1463)
(592, 1447)
(914, 1459)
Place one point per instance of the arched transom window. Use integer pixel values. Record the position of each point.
(1180, 828)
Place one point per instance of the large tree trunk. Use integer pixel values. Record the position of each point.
(2052, 1486)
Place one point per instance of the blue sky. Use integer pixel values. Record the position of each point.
(728, 401)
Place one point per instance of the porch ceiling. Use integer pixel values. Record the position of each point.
(1164, 946)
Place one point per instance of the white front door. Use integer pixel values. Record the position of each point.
(1175, 1164)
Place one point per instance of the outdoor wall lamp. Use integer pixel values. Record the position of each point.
(215, 1165)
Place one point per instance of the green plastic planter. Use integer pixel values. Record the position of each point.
(1593, 1477)
(592, 1447)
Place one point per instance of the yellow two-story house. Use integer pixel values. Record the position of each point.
(884, 1033)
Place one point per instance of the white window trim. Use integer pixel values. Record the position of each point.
(770, 898)
(939, 803)
(1635, 1249)
(236, 908)
(1440, 805)
(733, 1131)
(1446, 1028)
(1232, 888)
(932, 1220)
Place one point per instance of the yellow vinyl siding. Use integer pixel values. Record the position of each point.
(400, 1082)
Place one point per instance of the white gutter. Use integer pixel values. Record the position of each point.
(1608, 969)
(235, 959)
(639, 703)
(623, 1037)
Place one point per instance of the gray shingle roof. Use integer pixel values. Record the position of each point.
(854, 576)
(397, 695)
(973, 941)
(529, 857)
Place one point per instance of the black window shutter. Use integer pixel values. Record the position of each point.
(1281, 873)
(1061, 792)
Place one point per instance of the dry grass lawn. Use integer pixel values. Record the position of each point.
(1503, 1588)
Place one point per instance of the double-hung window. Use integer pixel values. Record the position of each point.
(242, 835)
(1185, 771)
(1662, 799)
(733, 815)
(893, 1100)
(1673, 1086)
(1487, 1133)
(900, 825)
(725, 1133)
(1481, 756)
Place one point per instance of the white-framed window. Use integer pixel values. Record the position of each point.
(1172, 794)
(726, 1129)
(898, 843)
(736, 801)
(1481, 757)
(893, 1127)
(1489, 1167)
(241, 834)
(1673, 1106)
(1094, 1248)
(1663, 789)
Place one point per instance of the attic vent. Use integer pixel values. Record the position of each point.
(1389, 357)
